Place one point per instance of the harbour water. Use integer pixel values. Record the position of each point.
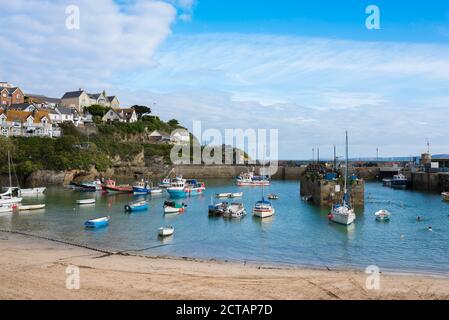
(299, 233)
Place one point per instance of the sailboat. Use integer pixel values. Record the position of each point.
(264, 208)
(343, 213)
(8, 198)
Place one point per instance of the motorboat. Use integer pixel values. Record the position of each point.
(182, 188)
(218, 209)
(382, 215)
(236, 211)
(250, 179)
(237, 195)
(445, 196)
(273, 196)
(142, 187)
(171, 207)
(111, 186)
(223, 195)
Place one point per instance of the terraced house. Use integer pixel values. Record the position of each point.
(10, 94)
(81, 99)
(27, 124)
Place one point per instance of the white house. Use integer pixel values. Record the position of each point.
(180, 136)
(128, 115)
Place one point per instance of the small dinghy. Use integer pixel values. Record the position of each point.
(97, 223)
(382, 215)
(223, 195)
(272, 196)
(171, 207)
(85, 201)
(31, 207)
(237, 195)
(445, 196)
(156, 191)
(137, 206)
(166, 231)
(306, 198)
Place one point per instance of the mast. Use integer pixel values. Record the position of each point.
(9, 169)
(346, 171)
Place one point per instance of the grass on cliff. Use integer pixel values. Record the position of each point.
(76, 150)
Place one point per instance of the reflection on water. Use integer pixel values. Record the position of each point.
(299, 232)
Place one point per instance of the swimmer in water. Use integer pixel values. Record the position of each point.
(430, 228)
(418, 218)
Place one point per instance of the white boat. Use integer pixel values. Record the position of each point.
(5, 200)
(171, 207)
(166, 231)
(85, 201)
(445, 196)
(32, 191)
(237, 195)
(382, 215)
(10, 196)
(31, 207)
(250, 179)
(156, 190)
(263, 209)
(223, 195)
(236, 211)
(343, 213)
(6, 208)
(273, 196)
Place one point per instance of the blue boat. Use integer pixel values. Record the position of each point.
(142, 187)
(185, 188)
(97, 223)
(137, 206)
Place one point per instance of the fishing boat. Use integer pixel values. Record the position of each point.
(182, 188)
(111, 186)
(218, 209)
(445, 196)
(85, 201)
(32, 191)
(137, 206)
(97, 223)
(343, 213)
(142, 187)
(272, 196)
(165, 183)
(90, 186)
(398, 181)
(31, 207)
(250, 179)
(236, 211)
(166, 231)
(382, 215)
(172, 207)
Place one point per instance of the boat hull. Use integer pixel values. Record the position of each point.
(32, 191)
(97, 223)
(165, 232)
(184, 193)
(263, 213)
(131, 208)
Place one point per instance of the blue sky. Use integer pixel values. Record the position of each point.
(310, 69)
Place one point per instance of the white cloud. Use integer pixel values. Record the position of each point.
(39, 52)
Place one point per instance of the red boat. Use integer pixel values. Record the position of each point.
(110, 186)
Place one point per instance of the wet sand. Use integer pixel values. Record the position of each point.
(32, 268)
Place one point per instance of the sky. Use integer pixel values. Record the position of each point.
(310, 69)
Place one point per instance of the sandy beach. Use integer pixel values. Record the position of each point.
(32, 268)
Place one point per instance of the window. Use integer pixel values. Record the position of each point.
(4, 95)
(18, 96)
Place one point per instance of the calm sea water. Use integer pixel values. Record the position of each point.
(298, 234)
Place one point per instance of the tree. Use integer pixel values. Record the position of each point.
(173, 123)
(140, 110)
(97, 110)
